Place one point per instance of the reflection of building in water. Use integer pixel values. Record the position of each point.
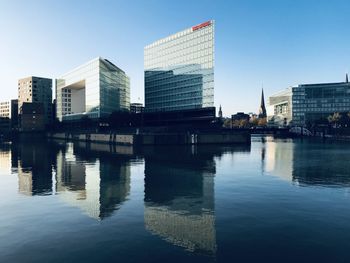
(307, 163)
(5, 159)
(321, 164)
(35, 160)
(193, 232)
(279, 158)
(98, 183)
(179, 197)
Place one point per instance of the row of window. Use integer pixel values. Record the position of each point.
(179, 38)
(189, 72)
(194, 58)
(322, 105)
(183, 52)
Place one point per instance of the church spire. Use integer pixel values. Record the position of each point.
(220, 112)
(262, 109)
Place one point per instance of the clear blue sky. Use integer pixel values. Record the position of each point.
(277, 43)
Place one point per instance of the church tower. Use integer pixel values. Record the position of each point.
(220, 112)
(262, 109)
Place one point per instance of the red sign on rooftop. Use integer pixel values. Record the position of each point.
(194, 28)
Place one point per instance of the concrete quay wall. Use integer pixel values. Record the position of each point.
(125, 139)
(158, 138)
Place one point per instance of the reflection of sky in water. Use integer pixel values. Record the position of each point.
(192, 204)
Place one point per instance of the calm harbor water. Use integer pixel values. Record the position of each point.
(272, 201)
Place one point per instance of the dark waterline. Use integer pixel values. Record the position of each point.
(273, 201)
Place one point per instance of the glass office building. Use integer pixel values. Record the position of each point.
(95, 89)
(315, 102)
(179, 70)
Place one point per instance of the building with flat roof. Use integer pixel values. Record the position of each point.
(315, 102)
(9, 110)
(5, 109)
(308, 104)
(239, 116)
(179, 70)
(280, 108)
(136, 108)
(36, 90)
(32, 117)
(14, 113)
(4, 125)
(94, 89)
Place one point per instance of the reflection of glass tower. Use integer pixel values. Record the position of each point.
(321, 164)
(98, 187)
(179, 70)
(308, 163)
(179, 199)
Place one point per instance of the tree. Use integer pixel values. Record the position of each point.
(262, 122)
(254, 121)
(243, 123)
(227, 123)
(334, 118)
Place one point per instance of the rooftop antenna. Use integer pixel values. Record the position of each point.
(347, 78)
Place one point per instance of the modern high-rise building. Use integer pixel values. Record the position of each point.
(179, 70)
(94, 89)
(36, 90)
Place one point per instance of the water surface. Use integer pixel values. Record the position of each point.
(272, 201)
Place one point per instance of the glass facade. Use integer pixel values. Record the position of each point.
(179, 70)
(315, 102)
(95, 89)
